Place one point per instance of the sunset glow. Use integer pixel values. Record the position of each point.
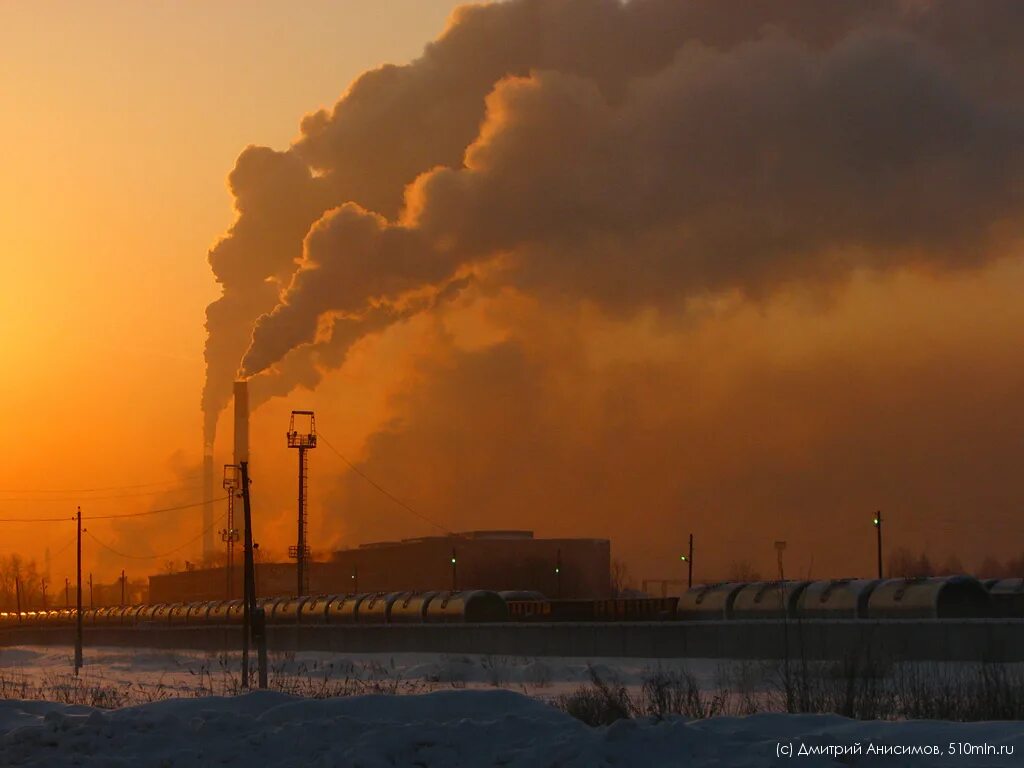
(739, 284)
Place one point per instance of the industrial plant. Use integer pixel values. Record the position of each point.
(507, 578)
(490, 560)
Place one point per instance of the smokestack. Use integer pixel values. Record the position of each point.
(207, 504)
(241, 421)
(241, 429)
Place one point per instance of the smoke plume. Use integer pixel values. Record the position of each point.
(629, 158)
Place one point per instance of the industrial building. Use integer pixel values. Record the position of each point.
(495, 560)
(488, 560)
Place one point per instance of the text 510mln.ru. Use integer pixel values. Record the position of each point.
(789, 749)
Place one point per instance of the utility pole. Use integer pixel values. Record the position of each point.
(248, 599)
(78, 599)
(252, 617)
(688, 559)
(92, 603)
(558, 573)
(67, 593)
(17, 596)
(455, 581)
(230, 534)
(122, 587)
(689, 562)
(878, 531)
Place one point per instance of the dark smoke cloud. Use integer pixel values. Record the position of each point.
(398, 122)
(635, 156)
(277, 199)
(745, 169)
(304, 366)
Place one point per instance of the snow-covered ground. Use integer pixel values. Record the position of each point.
(466, 728)
(144, 674)
(459, 711)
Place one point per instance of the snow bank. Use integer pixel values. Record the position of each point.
(455, 728)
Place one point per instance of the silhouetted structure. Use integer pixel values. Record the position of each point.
(494, 560)
(304, 440)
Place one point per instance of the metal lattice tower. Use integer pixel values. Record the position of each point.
(304, 440)
(231, 534)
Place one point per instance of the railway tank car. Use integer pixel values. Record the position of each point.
(768, 600)
(377, 608)
(344, 609)
(708, 602)
(476, 606)
(836, 599)
(411, 608)
(1007, 597)
(287, 610)
(848, 599)
(944, 597)
(314, 610)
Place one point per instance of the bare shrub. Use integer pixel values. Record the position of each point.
(599, 703)
(982, 691)
(497, 670)
(677, 692)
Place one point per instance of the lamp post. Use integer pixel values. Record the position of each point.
(558, 573)
(688, 559)
(78, 599)
(877, 522)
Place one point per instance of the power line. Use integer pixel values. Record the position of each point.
(109, 548)
(95, 490)
(36, 519)
(110, 517)
(97, 498)
(391, 496)
(70, 542)
(154, 511)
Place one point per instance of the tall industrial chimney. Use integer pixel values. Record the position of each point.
(241, 430)
(241, 421)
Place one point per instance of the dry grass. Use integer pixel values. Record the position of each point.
(859, 688)
(214, 677)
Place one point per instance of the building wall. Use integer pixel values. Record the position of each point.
(420, 564)
(482, 563)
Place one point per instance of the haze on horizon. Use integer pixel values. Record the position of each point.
(583, 267)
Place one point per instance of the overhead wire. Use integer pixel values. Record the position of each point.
(96, 498)
(109, 548)
(110, 517)
(154, 511)
(37, 519)
(98, 489)
(66, 546)
(395, 499)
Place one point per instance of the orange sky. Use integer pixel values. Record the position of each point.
(123, 121)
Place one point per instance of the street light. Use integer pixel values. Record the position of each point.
(688, 559)
(558, 573)
(877, 522)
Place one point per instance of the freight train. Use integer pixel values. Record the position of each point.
(929, 598)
